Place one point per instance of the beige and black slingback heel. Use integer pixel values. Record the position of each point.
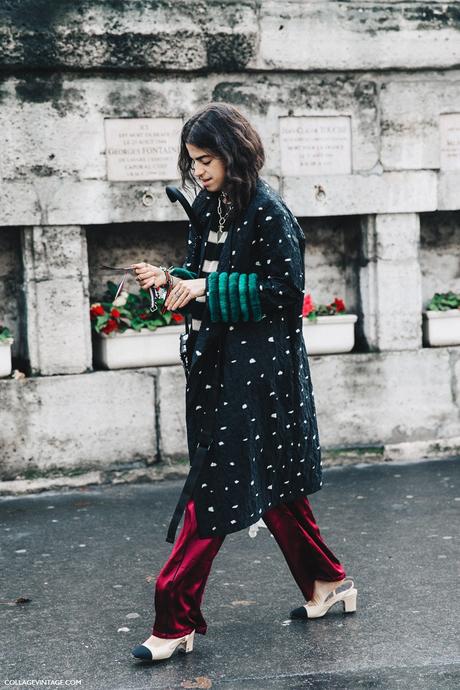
(320, 605)
(156, 648)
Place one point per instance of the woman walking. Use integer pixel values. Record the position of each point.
(250, 413)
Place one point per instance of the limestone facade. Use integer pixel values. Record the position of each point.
(383, 234)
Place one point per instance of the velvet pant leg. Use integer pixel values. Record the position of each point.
(181, 581)
(180, 584)
(308, 557)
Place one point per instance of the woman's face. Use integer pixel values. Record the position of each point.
(207, 168)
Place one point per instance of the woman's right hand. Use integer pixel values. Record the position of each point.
(148, 275)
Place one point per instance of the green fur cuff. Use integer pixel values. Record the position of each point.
(223, 296)
(182, 273)
(212, 293)
(234, 296)
(254, 298)
(243, 292)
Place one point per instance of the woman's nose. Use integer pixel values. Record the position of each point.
(199, 170)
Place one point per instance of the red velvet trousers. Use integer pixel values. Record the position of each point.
(180, 584)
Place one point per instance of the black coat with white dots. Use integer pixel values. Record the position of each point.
(266, 447)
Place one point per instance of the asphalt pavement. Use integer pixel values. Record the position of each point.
(87, 561)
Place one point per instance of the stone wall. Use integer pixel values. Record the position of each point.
(383, 230)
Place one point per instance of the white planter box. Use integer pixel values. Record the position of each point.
(329, 334)
(5, 359)
(138, 349)
(132, 349)
(441, 328)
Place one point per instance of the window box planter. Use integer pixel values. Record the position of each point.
(6, 341)
(5, 359)
(441, 328)
(329, 334)
(133, 349)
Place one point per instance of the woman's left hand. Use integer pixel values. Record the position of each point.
(184, 291)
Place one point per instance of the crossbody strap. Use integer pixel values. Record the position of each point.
(200, 455)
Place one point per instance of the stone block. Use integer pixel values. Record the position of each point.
(57, 300)
(163, 35)
(86, 421)
(390, 282)
(448, 186)
(333, 195)
(357, 35)
(265, 99)
(170, 396)
(410, 115)
(384, 398)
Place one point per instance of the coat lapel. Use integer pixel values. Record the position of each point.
(239, 240)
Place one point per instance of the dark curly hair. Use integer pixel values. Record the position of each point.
(223, 131)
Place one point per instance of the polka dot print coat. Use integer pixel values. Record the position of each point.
(266, 447)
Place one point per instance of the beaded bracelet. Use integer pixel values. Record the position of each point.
(169, 286)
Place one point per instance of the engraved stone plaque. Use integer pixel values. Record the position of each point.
(449, 126)
(315, 144)
(142, 148)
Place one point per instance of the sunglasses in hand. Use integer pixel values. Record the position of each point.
(126, 270)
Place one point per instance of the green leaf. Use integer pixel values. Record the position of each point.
(5, 334)
(442, 301)
(100, 322)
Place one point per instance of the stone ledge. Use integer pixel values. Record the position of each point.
(320, 195)
(436, 449)
(159, 472)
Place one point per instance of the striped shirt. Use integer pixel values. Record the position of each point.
(212, 252)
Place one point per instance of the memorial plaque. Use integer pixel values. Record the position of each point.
(142, 148)
(449, 125)
(315, 144)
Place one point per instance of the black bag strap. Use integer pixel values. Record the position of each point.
(205, 439)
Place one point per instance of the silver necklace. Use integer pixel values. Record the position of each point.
(222, 217)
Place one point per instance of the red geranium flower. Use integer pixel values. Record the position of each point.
(308, 305)
(110, 326)
(339, 304)
(143, 316)
(177, 317)
(97, 310)
(115, 313)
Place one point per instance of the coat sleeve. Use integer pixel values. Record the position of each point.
(278, 279)
(280, 262)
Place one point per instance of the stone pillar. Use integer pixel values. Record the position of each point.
(56, 299)
(390, 282)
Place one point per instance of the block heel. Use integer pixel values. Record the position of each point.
(349, 602)
(188, 644)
